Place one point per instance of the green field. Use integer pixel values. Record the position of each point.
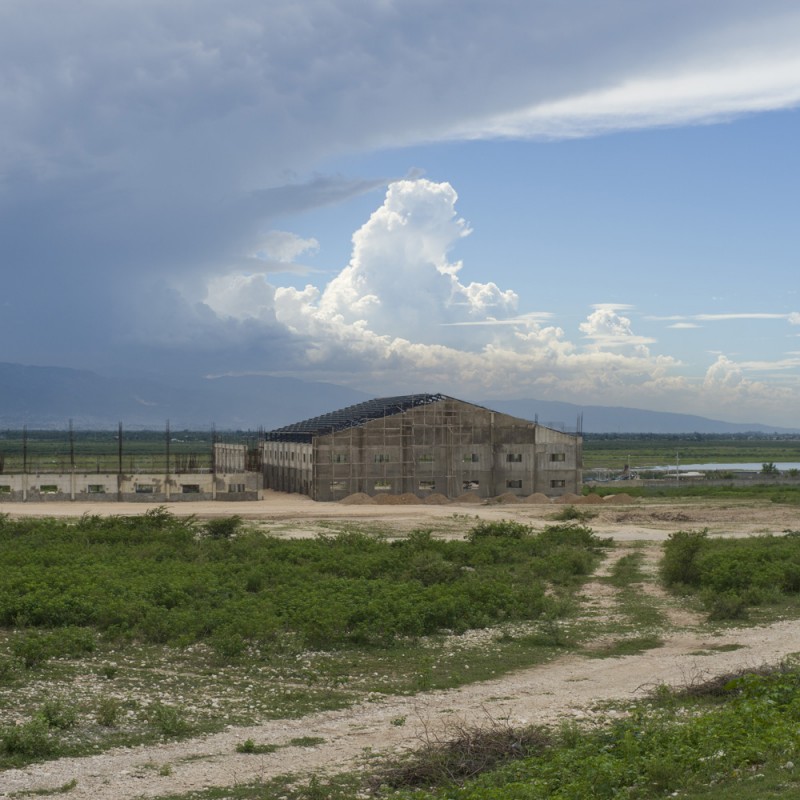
(99, 451)
(146, 451)
(602, 451)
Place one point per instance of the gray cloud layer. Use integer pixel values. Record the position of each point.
(146, 146)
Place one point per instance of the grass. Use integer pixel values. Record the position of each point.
(79, 689)
(626, 647)
(635, 622)
(249, 747)
(734, 737)
(100, 691)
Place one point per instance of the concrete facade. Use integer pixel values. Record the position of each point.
(421, 444)
(228, 481)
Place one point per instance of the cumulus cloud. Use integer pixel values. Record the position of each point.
(393, 308)
(607, 329)
(400, 277)
(399, 311)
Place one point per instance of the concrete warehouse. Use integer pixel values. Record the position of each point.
(420, 444)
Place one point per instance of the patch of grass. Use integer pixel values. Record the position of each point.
(249, 746)
(57, 713)
(108, 711)
(63, 789)
(306, 741)
(627, 571)
(626, 647)
(569, 512)
(168, 720)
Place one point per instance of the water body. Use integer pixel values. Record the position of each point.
(783, 466)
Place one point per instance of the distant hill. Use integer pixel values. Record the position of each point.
(618, 419)
(48, 397)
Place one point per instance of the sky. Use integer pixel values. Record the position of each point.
(593, 201)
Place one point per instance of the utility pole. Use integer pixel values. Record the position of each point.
(166, 471)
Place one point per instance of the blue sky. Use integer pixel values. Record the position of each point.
(583, 201)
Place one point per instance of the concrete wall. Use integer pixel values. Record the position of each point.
(138, 487)
(449, 447)
(229, 458)
(288, 466)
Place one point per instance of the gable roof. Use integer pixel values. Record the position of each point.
(350, 417)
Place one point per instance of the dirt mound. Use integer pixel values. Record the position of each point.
(618, 498)
(387, 499)
(408, 499)
(436, 499)
(469, 497)
(537, 497)
(507, 498)
(358, 499)
(592, 499)
(568, 499)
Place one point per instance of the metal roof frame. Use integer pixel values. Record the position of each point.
(350, 417)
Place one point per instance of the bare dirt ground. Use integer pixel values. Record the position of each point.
(573, 685)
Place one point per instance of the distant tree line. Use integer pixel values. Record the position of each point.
(693, 437)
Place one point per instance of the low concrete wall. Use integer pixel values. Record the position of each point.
(130, 488)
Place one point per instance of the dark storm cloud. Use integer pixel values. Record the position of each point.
(145, 143)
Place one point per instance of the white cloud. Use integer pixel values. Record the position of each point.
(282, 248)
(608, 329)
(745, 315)
(701, 94)
(242, 297)
(400, 277)
(398, 313)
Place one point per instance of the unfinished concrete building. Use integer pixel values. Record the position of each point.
(421, 444)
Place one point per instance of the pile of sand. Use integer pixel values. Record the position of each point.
(568, 499)
(618, 498)
(538, 497)
(504, 499)
(436, 499)
(592, 498)
(357, 499)
(407, 499)
(469, 497)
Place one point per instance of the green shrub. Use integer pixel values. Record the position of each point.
(229, 645)
(679, 564)
(725, 605)
(250, 747)
(58, 714)
(31, 649)
(170, 720)
(504, 528)
(571, 513)
(152, 578)
(224, 527)
(107, 711)
(7, 670)
(30, 740)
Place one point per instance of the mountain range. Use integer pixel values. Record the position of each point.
(48, 397)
